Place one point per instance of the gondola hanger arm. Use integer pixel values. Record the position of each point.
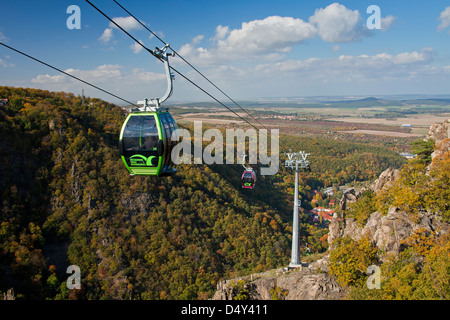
(154, 104)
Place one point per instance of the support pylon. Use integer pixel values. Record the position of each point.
(295, 161)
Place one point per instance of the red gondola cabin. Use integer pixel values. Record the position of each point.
(248, 179)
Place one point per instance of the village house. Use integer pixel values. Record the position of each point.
(321, 215)
(332, 203)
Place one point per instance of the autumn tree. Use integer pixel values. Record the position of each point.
(349, 260)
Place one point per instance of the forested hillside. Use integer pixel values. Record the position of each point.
(66, 199)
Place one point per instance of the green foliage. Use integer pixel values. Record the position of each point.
(416, 190)
(339, 162)
(240, 291)
(421, 272)
(423, 150)
(437, 191)
(349, 260)
(422, 269)
(65, 187)
(278, 293)
(363, 208)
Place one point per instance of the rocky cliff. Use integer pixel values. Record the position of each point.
(310, 282)
(439, 132)
(387, 232)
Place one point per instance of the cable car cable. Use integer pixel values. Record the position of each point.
(154, 34)
(126, 32)
(178, 72)
(187, 62)
(194, 68)
(210, 95)
(153, 53)
(79, 79)
(67, 74)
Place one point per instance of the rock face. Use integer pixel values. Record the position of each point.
(439, 132)
(389, 231)
(441, 148)
(385, 179)
(349, 196)
(386, 232)
(307, 283)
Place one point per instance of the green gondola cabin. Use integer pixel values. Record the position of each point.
(145, 143)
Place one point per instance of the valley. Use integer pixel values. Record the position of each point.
(68, 200)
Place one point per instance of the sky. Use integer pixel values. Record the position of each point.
(251, 49)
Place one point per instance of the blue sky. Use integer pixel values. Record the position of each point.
(250, 49)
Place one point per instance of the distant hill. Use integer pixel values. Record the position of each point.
(331, 102)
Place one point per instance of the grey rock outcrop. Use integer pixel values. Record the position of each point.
(385, 179)
(307, 283)
(439, 132)
(349, 196)
(388, 232)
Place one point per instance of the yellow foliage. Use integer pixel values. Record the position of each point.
(350, 259)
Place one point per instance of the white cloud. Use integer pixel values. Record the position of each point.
(47, 79)
(335, 48)
(127, 23)
(262, 36)
(387, 22)
(336, 23)
(269, 38)
(198, 56)
(3, 37)
(348, 68)
(106, 36)
(445, 19)
(347, 74)
(3, 63)
(197, 39)
(221, 32)
(136, 47)
(100, 74)
(133, 84)
(273, 37)
(425, 56)
(147, 76)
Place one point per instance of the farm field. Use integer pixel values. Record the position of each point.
(349, 118)
(422, 120)
(384, 133)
